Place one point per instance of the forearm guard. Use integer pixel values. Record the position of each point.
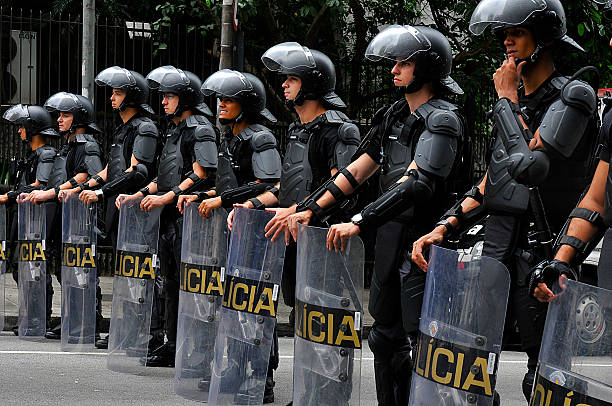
(14, 194)
(466, 219)
(583, 248)
(127, 181)
(310, 203)
(521, 161)
(200, 184)
(418, 188)
(244, 192)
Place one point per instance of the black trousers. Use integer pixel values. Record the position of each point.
(169, 248)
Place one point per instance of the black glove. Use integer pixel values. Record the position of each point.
(548, 272)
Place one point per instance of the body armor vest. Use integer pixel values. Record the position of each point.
(116, 163)
(171, 163)
(26, 170)
(296, 174)
(58, 173)
(227, 165)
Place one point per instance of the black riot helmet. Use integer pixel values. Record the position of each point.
(428, 48)
(81, 107)
(242, 86)
(186, 85)
(133, 83)
(313, 67)
(35, 119)
(544, 18)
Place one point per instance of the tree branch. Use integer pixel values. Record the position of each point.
(314, 28)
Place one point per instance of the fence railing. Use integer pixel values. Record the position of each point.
(41, 55)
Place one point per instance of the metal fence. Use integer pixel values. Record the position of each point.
(40, 54)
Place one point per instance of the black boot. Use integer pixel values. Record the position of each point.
(269, 390)
(162, 357)
(102, 343)
(528, 383)
(54, 333)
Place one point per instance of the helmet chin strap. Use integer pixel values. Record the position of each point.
(531, 58)
(414, 86)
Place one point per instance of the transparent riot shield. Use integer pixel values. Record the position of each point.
(203, 257)
(248, 312)
(32, 270)
(133, 284)
(79, 237)
(328, 313)
(2, 263)
(576, 348)
(460, 332)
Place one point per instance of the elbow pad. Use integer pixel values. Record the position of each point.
(243, 193)
(201, 184)
(127, 181)
(418, 188)
(339, 197)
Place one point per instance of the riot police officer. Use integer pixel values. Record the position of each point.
(188, 163)
(415, 142)
(588, 222)
(249, 161)
(76, 161)
(131, 159)
(545, 131)
(35, 126)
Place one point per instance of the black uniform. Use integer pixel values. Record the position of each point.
(604, 268)
(192, 140)
(397, 287)
(508, 236)
(79, 155)
(36, 165)
(313, 150)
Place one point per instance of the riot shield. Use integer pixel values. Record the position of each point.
(79, 226)
(203, 257)
(133, 284)
(248, 312)
(2, 263)
(460, 332)
(328, 313)
(32, 270)
(576, 346)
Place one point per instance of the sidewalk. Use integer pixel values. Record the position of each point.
(106, 284)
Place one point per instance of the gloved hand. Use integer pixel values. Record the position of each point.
(547, 272)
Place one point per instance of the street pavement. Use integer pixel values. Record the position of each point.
(39, 373)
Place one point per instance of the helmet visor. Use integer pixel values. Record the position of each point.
(227, 83)
(501, 13)
(115, 77)
(16, 114)
(397, 43)
(288, 56)
(63, 102)
(167, 79)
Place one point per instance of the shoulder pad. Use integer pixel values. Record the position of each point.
(82, 138)
(442, 104)
(205, 132)
(580, 95)
(348, 133)
(146, 127)
(46, 153)
(248, 132)
(263, 140)
(195, 120)
(444, 122)
(92, 148)
(336, 117)
(380, 115)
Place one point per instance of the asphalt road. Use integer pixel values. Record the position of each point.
(38, 373)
